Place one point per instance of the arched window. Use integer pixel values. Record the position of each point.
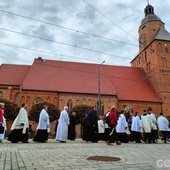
(17, 96)
(55, 101)
(159, 47)
(89, 102)
(69, 105)
(28, 101)
(38, 100)
(84, 101)
(109, 104)
(1, 94)
(49, 99)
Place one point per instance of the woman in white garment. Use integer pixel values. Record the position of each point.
(3, 123)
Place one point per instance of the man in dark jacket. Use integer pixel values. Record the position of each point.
(92, 125)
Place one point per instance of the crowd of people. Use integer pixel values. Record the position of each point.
(125, 126)
(115, 126)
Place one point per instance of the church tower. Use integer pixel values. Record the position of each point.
(154, 55)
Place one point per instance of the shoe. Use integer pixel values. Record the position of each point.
(0, 141)
(63, 141)
(118, 143)
(108, 143)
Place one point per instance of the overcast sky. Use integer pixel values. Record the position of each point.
(73, 30)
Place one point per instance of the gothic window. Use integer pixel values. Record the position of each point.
(145, 56)
(17, 98)
(22, 99)
(139, 60)
(69, 105)
(49, 99)
(164, 61)
(109, 104)
(1, 94)
(38, 100)
(148, 66)
(28, 101)
(89, 102)
(84, 101)
(55, 101)
(159, 47)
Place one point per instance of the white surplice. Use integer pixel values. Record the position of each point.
(21, 118)
(154, 122)
(44, 121)
(146, 123)
(62, 128)
(136, 124)
(101, 126)
(163, 123)
(121, 124)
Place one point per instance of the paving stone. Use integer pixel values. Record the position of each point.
(73, 156)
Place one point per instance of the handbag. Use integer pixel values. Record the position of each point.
(1, 129)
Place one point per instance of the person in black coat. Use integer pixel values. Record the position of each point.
(84, 132)
(72, 127)
(92, 128)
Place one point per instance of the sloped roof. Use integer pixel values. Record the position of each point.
(163, 34)
(66, 77)
(128, 83)
(11, 74)
(131, 84)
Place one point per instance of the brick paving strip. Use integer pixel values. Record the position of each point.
(74, 155)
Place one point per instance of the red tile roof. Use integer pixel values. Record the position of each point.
(131, 83)
(13, 74)
(128, 83)
(66, 77)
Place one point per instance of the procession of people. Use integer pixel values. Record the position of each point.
(115, 126)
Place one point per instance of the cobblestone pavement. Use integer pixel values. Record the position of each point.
(73, 156)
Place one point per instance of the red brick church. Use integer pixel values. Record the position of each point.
(144, 84)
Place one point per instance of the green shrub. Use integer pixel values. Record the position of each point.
(36, 109)
(80, 110)
(10, 109)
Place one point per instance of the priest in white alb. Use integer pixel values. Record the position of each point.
(163, 125)
(121, 127)
(136, 128)
(62, 129)
(19, 127)
(43, 127)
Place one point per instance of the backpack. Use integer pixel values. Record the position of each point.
(108, 120)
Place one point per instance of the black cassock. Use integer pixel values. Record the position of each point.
(72, 128)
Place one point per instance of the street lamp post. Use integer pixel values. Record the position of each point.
(99, 102)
